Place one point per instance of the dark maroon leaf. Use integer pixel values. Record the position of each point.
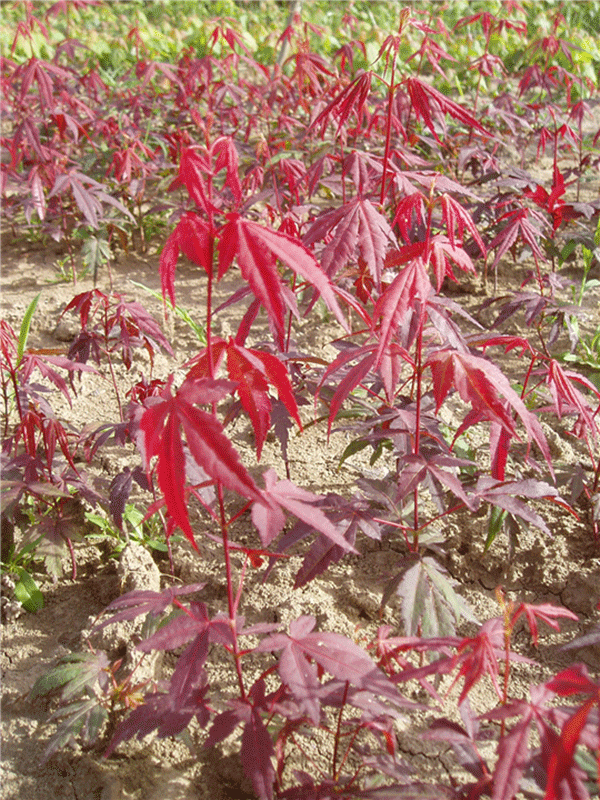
(141, 601)
(256, 754)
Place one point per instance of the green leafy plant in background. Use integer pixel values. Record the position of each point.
(135, 528)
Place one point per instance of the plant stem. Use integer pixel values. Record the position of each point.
(388, 131)
(419, 366)
(338, 732)
(231, 600)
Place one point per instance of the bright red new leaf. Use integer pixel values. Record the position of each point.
(257, 249)
(162, 425)
(252, 370)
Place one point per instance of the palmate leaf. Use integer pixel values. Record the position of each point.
(257, 754)
(457, 221)
(357, 225)
(162, 424)
(191, 169)
(252, 370)
(81, 718)
(352, 98)
(481, 383)
(351, 379)
(506, 495)
(568, 399)
(257, 248)
(75, 673)
(335, 653)
(143, 601)
(422, 95)
(269, 518)
(573, 680)
(167, 713)
(409, 286)
(546, 612)
(194, 237)
(518, 226)
(187, 627)
(429, 603)
(227, 158)
(514, 755)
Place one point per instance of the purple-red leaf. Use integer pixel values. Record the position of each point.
(142, 601)
(269, 519)
(481, 383)
(256, 754)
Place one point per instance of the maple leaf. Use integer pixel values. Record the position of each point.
(194, 237)
(504, 494)
(573, 680)
(475, 657)
(161, 424)
(544, 611)
(352, 98)
(568, 399)
(89, 196)
(256, 755)
(413, 205)
(351, 379)
(411, 284)
(257, 249)
(143, 601)
(422, 95)
(227, 158)
(518, 226)
(357, 224)
(457, 220)
(269, 519)
(192, 166)
(481, 383)
(165, 712)
(513, 748)
(429, 602)
(335, 653)
(252, 370)
(417, 469)
(439, 251)
(32, 361)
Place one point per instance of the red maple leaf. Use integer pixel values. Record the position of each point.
(257, 248)
(269, 518)
(162, 424)
(357, 225)
(253, 371)
(425, 100)
(573, 680)
(483, 384)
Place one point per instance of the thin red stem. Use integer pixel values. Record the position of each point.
(388, 132)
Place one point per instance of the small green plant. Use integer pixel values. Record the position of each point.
(92, 697)
(184, 315)
(135, 528)
(64, 273)
(586, 357)
(17, 580)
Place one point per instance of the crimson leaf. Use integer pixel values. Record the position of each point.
(257, 249)
(162, 424)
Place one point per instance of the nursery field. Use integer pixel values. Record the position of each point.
(300, 369)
